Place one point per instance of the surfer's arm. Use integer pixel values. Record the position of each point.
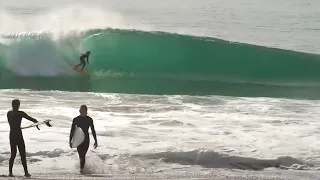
(71, 131)
(93, 131)
(8, 117)
(88, 59)
(25, 115)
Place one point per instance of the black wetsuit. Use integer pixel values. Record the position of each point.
(16, 137)
(84, 123)
(82, 60)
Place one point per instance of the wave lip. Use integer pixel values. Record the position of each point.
(211, 159)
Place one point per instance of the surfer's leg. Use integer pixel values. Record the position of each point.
(79, 149)
(22, 151)
(82, 151)
(85, 150)
(79, 64)
(84, 64)
(13, 156)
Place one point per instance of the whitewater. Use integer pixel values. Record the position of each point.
(200, 89)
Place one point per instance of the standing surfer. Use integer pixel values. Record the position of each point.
(82, 59)
(16, 138)
(84, 122)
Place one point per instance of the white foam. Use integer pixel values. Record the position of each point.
(1, 159)
(258, 128)
(94, 165)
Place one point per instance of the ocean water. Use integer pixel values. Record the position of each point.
(174, 86)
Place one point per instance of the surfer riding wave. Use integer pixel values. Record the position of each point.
(83, 61)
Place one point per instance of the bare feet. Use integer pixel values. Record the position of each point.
(27, 175)
(10, 175)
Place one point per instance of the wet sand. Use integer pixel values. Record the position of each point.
(215, 174)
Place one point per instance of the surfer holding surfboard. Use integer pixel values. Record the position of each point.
(84, 122)
(16, 138)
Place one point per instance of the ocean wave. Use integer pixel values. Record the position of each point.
(211, 159)
(132, 61)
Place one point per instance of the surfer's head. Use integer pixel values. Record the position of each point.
(15, 104)
(88, 52)
(83, 110)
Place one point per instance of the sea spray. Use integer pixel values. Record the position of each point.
(94, 164)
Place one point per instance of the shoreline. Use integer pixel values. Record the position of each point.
(213, 174)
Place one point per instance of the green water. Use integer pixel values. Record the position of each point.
(163, 54)
(127, 61)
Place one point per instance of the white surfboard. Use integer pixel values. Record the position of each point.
(36, 124)
(77, 138)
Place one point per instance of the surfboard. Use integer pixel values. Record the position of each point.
(36, 124)
(77, 138)
(78, 69)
